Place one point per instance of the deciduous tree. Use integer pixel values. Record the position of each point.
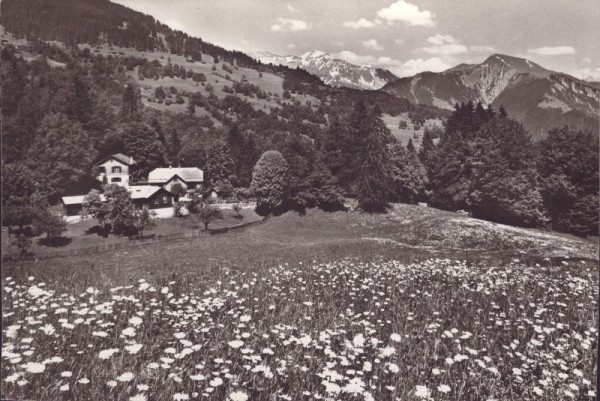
(269, 182)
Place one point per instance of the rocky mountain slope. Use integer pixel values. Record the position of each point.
(541, 99)
(331, 70)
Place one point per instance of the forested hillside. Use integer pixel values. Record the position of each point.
(66, 105)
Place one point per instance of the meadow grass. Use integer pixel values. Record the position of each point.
(327, 306)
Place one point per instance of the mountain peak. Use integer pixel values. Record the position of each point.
(519, 65)
(332, 71)
(316, 54)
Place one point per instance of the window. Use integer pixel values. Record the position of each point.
(115, 179)
(116, 169)
(102, 170)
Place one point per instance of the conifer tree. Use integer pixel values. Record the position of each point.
(129, 106)
(373, 179)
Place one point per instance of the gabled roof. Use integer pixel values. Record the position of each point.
(187, 174)
(143, 191)
(127, 160)
(77, 199)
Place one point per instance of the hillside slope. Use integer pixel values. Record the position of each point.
(541, 99)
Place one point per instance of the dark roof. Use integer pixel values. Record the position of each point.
(120, 157)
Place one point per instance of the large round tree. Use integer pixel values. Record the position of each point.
(269, 179)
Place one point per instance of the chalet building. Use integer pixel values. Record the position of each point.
(155, 194)
(72, 206)
(189, 177)
(153, 197)
(114, 169)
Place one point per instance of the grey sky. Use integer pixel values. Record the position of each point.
(406, 36)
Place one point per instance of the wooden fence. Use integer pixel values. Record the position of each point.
(133, 243)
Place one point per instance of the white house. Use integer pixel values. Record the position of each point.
(189, 177)
(114, 169)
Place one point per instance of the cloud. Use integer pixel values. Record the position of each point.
(290, 46)
(588, 74)
(367, 60)
(444, 45)
(372, 44)
(401, 69)
(414, 66)
(439, 39)
(407, 13)
(361, 23)
(174, 24)
(291, 8)
(552, 51)
(482, 48)
(399, 41)
(287, 24)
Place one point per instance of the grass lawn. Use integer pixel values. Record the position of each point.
(414, 305)
(84, 234)
(409, 233)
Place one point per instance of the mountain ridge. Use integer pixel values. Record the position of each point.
(332, 70)
(540, 98)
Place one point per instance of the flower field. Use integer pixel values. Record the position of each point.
(436, 330)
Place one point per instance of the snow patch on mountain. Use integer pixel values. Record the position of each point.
(331, 70)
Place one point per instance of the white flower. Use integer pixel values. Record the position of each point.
(443, 388)
(179, 336)
(238, 396)
(422, 392)
(355, 386)
(435, 371)
(135, 321)
(34, 367)
(142, 387)
(245, 318)
(111, 383)
(64, 387)
(12, 378)
(134, 348)
(358, 341)
(107, 353)
(236, 344)
(83, 380)
(538, 391)
(396, 337)
(393, 367)
(180, 397)
(129, 332)
(66, 374)
(387, 351)
(216, 382)
(11, 331)
(126, 377)
(139, 397)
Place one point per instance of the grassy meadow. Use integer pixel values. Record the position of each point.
(418, 304)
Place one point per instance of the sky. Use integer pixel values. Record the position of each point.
(404, 36)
